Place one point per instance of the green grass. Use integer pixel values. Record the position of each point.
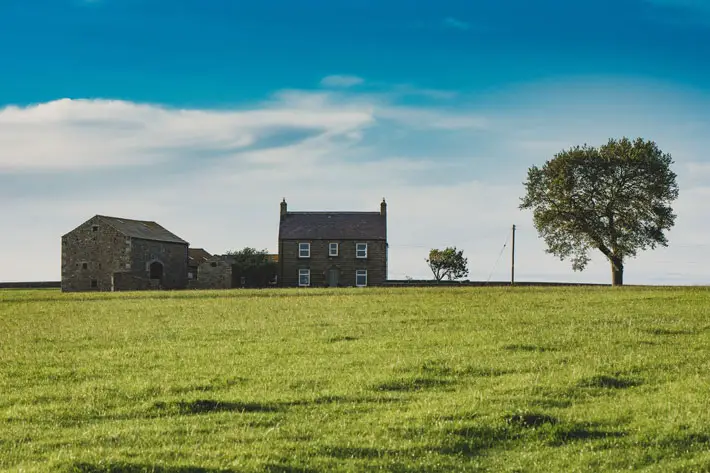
(430, 380)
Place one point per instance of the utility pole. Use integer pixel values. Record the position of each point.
(512, 261)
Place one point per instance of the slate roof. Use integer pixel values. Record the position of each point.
(141, 229)
(196, 256)
(333, 226)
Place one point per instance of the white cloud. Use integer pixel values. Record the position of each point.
(92, 133)
(341, 81)
(216, 177)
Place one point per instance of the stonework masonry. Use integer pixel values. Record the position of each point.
(345, 263)
(98, 257)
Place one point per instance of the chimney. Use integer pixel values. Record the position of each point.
(284, 208)
(383, 208)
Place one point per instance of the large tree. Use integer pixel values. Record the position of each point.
(615, 198)
(448, 263)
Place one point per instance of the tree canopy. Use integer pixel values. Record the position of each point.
(247, 258)
(615, 199)
(448, 263)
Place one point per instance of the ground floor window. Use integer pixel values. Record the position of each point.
(304, 277)
(361, 277)
(94, 283)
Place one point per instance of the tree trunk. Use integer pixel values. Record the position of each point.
(617, 271)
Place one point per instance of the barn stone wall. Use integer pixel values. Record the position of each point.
(91, 253)
(173, 257)
(215, 273)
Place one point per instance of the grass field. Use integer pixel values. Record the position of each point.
(430, 380)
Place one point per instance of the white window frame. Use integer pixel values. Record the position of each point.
(357, 250)
(332, 246)
(304, 272)
(359, 273)
(301, 247)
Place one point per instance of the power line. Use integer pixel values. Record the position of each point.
(499, 256)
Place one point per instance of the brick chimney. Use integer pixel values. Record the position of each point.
(383, 208)
(284, 208)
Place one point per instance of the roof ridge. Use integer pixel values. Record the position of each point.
(127, 219)
(350, 212)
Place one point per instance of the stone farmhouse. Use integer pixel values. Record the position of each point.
(332, 249)
(316, 249)
(119, 254)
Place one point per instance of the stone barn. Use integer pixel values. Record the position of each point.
(120, 254)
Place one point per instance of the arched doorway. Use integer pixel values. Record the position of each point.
(156, 270)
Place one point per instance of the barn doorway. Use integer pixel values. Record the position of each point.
(156, 270)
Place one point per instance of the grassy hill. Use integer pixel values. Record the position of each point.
(428, 379)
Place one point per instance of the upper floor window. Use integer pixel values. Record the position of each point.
(95, 228)
(304, 250)
(333, 249)
(361, 250)
(361, 278)
(304, 277)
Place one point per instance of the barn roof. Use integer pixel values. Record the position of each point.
(333, 226)
(141, 229)
(197, 256)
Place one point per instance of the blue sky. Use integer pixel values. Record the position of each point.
(202, 115)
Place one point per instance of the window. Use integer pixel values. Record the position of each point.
(213, 264)
(361, 250)
(304, 250)
(95, 228)
(333, 249)
(94, 283)
(304, 277)
(84, 265)
(361, 278)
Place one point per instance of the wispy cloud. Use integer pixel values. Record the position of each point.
(341, 81)
(452, 175)
(457, 24)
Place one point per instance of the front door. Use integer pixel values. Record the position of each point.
(333, 277)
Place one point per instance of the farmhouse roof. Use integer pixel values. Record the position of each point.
(142, 229)
(333, 225)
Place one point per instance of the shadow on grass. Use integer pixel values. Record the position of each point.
(343, 453)
(440, 368)
(564, 434)
(343, 338)
(474, 440)
(286, 468)
(528, 348)
(137, 468)
(665, 331)
(417, 383)
(348, 400)
(205, 406)
(680, 442)
(609, 382)
(530, 420)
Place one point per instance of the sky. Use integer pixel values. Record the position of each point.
(202, 116)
